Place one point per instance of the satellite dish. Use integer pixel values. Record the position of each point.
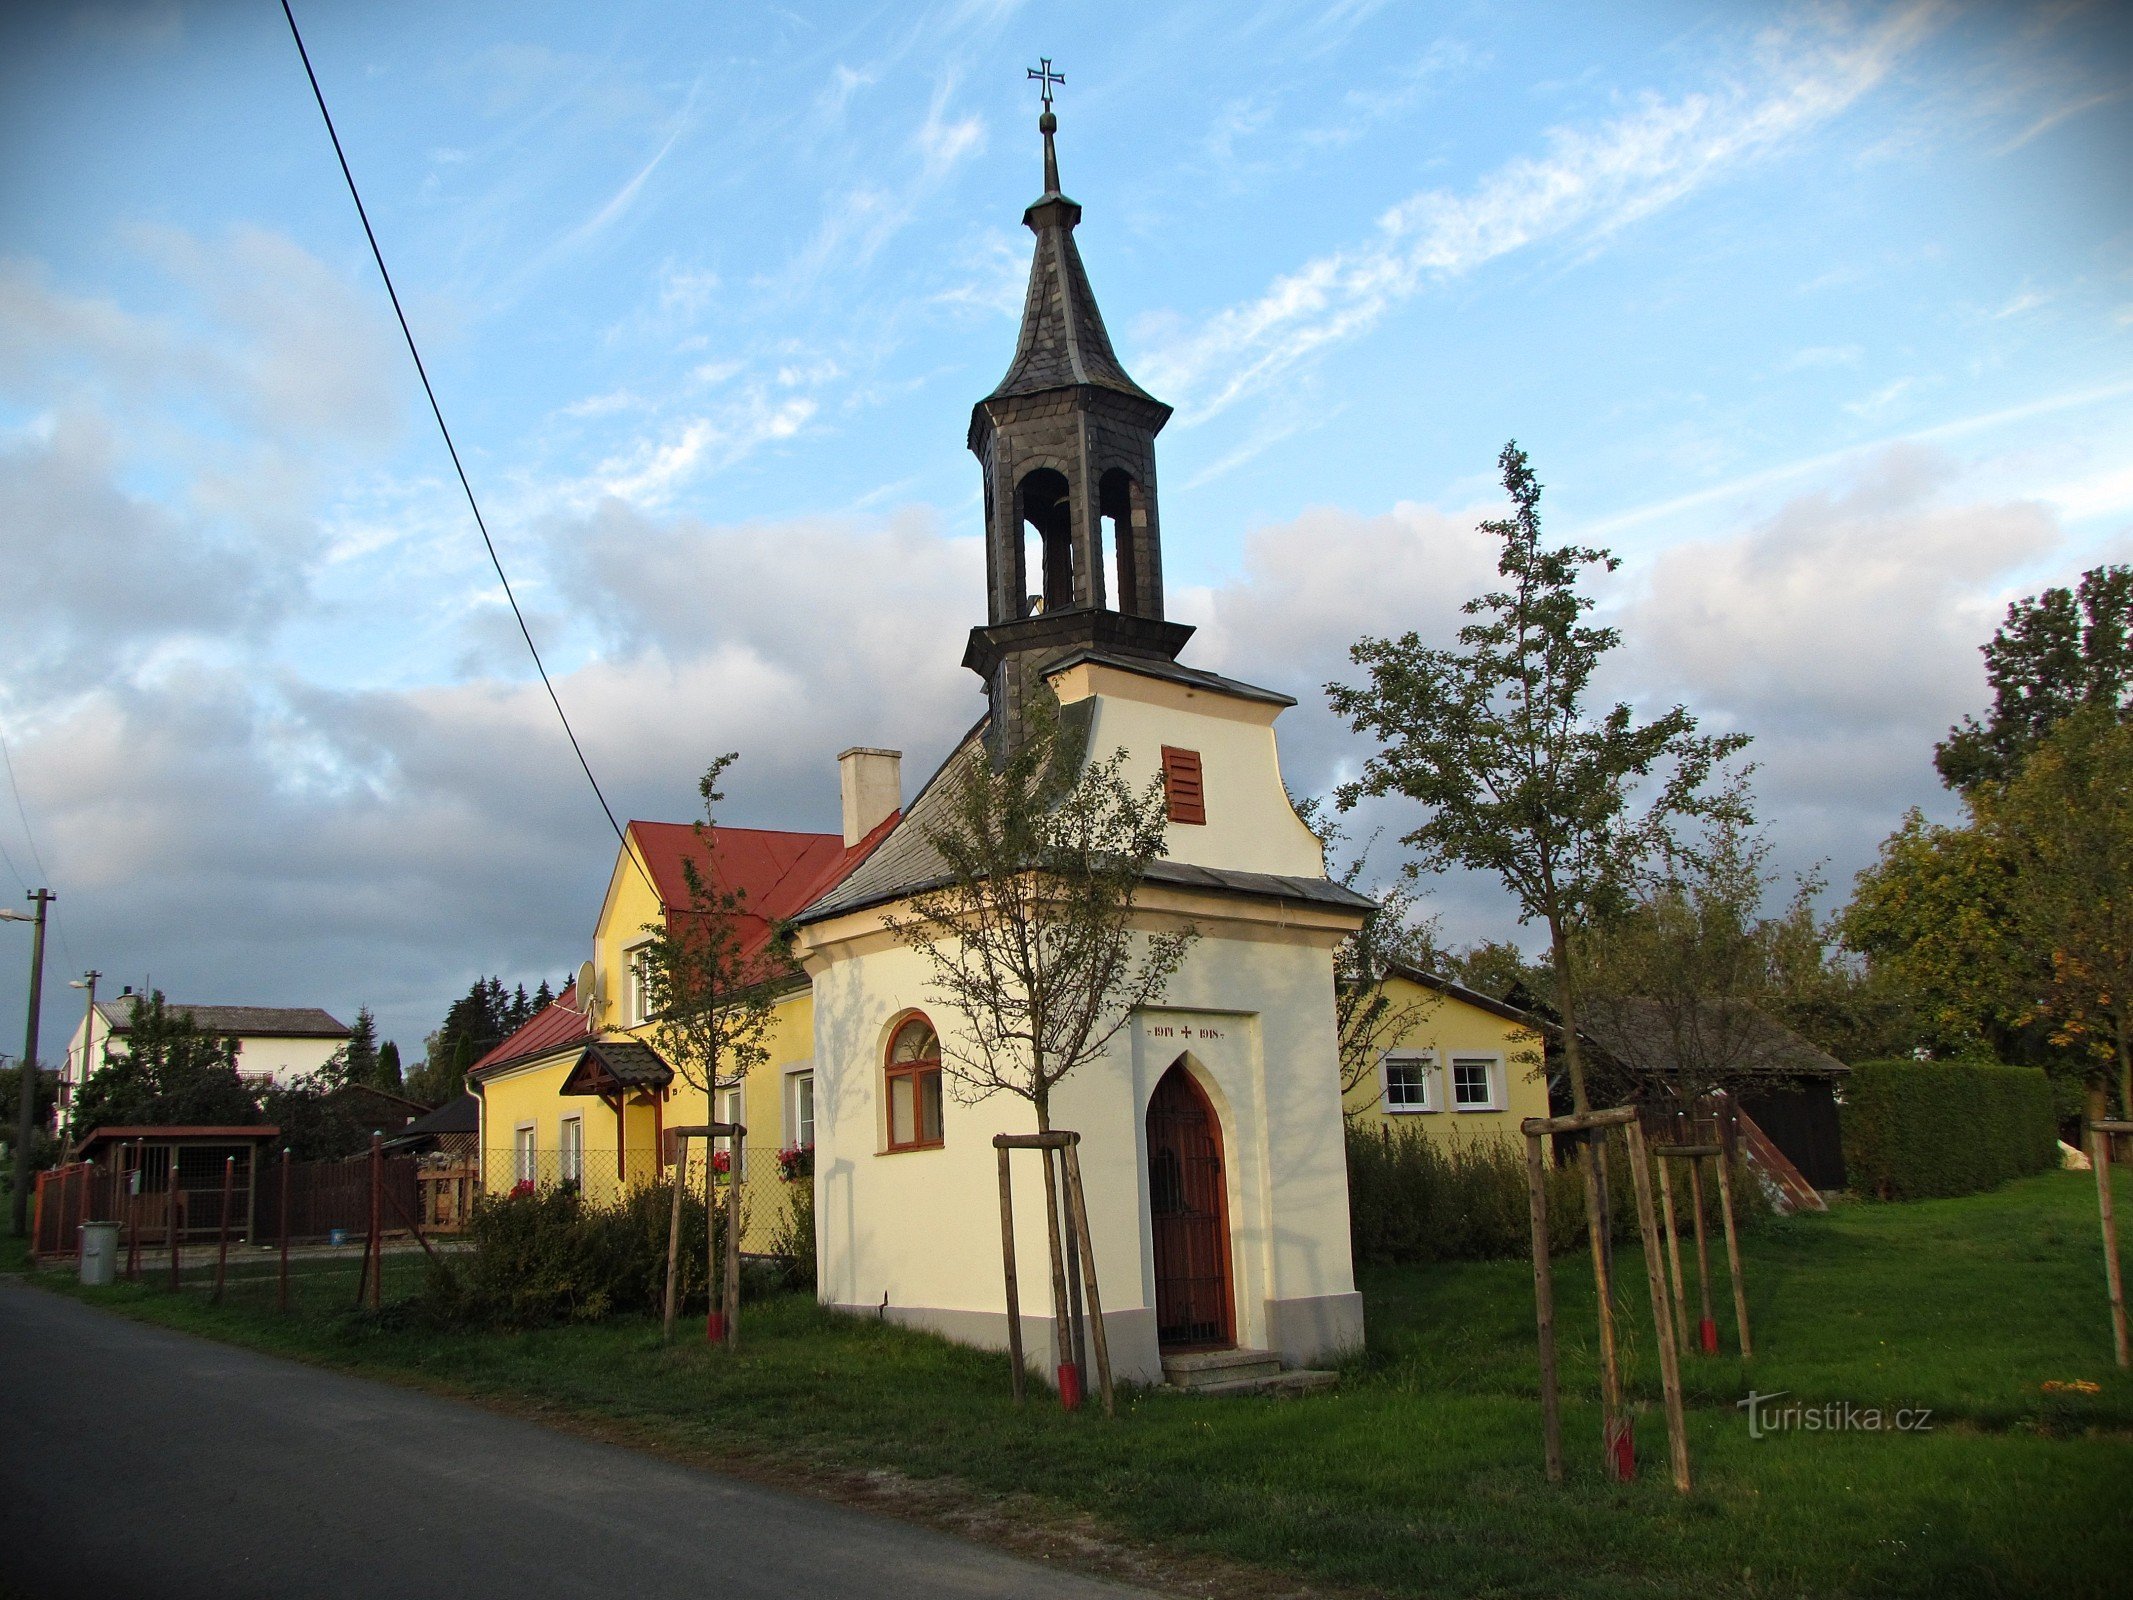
(589, 993)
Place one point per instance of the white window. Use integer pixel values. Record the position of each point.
(800, 1109)
(523, 1166)
(636, 977)
(573, 1149)
(1477, 1083)
(730, 1105)
(1409, 1075)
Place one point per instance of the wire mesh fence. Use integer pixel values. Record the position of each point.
(377, 1229)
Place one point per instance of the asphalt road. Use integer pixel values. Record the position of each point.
(139, 1462)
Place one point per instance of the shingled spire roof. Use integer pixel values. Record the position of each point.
(1063, 341)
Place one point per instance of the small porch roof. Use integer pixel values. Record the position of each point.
(610, 1067)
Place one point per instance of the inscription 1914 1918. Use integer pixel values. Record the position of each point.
(1165, 1030)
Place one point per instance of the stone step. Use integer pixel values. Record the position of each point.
(1302, 1380)
(1199, 1368)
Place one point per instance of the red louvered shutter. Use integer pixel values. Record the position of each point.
(1181, 785)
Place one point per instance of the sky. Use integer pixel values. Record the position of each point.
(1819, 316)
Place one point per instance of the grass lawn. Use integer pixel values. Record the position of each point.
(1422, 1474)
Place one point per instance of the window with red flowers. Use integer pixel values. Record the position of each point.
(913, 1075)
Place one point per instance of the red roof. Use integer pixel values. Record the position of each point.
(780, 873)
(556, 1024)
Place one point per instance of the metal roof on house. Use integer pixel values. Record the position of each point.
(252, 1022)
(1646, 1036)
(555, 1025)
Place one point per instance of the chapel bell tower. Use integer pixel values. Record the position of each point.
(1066, 441)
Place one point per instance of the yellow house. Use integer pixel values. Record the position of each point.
(1462, 1065)
(581, 1094)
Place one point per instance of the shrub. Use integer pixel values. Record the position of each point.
(793, 1239)
(1414, 1198)
(550, 1255)
(1916, 1130)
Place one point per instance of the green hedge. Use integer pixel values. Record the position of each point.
(1415, 1198)
(1917, 1130)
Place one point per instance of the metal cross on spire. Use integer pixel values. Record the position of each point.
(1046, 77)
(1048, 124)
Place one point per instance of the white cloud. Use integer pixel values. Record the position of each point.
(1590, 182)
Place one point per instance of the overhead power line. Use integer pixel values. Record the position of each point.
(437, 411)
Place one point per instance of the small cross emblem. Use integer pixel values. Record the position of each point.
(1046, 77)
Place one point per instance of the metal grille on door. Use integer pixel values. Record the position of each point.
(1188, 1208)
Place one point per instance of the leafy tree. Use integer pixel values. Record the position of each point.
(1370, 1014)
(1517, 774)
(1936, 918)
(1683, 984)
(43, 1147)
(2056, 653)
(2065, 823)
(1500, 970)
(166, 1072)
(1032, 938)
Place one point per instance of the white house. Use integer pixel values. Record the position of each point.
(275, 1044)
(1211, 1130)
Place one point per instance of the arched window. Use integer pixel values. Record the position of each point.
(913, 1077)
(1118, 503)
(1047, 508)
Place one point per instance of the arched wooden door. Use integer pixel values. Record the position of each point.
(1188, 1207)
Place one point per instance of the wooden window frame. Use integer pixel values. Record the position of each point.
(924, 1067)
(1184, 786)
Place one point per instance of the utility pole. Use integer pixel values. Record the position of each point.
(88, 1038)
(26, 1114)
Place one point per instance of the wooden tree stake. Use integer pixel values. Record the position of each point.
(1677, 1436)
(733, 1238)
(1680, 1299)
(1544, 1305)
(1062, 1333)
(1101, 1340)
(1613, 1423)
(681, 1182)
(2100, 1160)
(222, 1239)
(1007, 1262)
(1707, 1328)
(1740, 1288)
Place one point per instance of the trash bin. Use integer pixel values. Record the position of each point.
(99, 1253)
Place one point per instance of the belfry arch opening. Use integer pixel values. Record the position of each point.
(1045, 503)
(1123, 508)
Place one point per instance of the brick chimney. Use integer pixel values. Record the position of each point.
(873, 785)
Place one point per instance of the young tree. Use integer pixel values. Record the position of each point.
(166, 1072)
(1032, 938)
(708, 993)
(1518, 776)
(2066, 823)
(2056, 653)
